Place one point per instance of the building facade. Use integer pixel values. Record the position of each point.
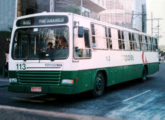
(7, 14)
(89, 8)
(127, 13)
(9, 9)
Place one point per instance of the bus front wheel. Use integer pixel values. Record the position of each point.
(99, 85)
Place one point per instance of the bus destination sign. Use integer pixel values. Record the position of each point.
(42, 20)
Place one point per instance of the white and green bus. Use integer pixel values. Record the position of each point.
(65, 53)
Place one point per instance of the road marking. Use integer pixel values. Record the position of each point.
(136, 96)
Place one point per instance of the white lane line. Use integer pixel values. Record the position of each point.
(136, 96)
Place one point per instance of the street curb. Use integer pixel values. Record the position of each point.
(58, 115)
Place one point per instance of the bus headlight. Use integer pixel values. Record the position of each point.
(13, 80)
(67, 82)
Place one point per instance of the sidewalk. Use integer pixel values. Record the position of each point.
(4, 82)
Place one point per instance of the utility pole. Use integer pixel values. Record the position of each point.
(158, 27)
(81, 7)
(152, 25)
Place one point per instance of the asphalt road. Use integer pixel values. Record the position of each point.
(133, 100)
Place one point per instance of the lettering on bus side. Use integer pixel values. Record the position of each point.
(128, 58)
(53, 65)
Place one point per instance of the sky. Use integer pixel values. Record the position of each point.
(157, 7)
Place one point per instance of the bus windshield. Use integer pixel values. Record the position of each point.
(41, 43)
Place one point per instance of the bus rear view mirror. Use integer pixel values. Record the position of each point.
(80, 32)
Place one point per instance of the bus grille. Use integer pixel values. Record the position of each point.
(40, 77)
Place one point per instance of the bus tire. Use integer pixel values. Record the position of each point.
(144, 74)
(99, 85)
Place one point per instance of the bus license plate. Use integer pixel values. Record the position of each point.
(36, 89)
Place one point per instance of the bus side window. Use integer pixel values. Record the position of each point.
(149, 44)
(134, 41)
(86, 38)
(140, 42)
(152, 44)
(121, 40)
(143, 43)
(82, 45)
(93, 36)
(156, 40)
(126, 40)
(108, 37)
(155, 44)
(99, 40)
(146, 43)
(130, 40)
(137, 42)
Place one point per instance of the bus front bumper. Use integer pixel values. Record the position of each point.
(44, 89)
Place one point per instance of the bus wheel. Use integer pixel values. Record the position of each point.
(99, 85)
(144, 76)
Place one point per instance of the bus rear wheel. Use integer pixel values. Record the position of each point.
(99, 85)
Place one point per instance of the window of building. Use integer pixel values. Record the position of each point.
(121, 40)
(26, 7)
(68, 6)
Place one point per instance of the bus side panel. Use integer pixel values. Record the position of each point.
(133, 72)
(84, 81)
(153, 68)
(124, 73)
